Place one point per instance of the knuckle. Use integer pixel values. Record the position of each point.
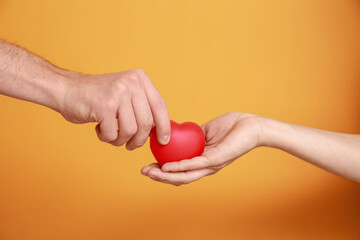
(137, 144)
(148, 126)
(101, 138)
(118, 142)
(120, 89)
(112, 138)
(135, 83)
(134, 77)
(130, 131)
(111, 100)
(147, 123)
(233, 114)
(142, 141)
(129, 78)
(110, 104)
(131, 75)
(107, 138)
(130, 146)
(160, 103)
(139, 71)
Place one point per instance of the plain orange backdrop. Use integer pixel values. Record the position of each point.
(296, 61)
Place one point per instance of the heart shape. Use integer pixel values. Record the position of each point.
(187, 140)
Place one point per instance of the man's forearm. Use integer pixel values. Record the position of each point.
(26, 76)
(335, 152)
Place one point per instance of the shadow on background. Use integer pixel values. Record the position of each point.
(2, 4)
(284, 218)
(357, 3)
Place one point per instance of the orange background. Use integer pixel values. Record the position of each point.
(297, 61)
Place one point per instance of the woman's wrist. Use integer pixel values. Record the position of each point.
(258, 127)
(273, 133)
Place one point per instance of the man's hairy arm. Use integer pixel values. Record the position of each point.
(126, 105)
(25, 76)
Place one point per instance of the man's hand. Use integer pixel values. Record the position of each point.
(125, 104)
(227, 138)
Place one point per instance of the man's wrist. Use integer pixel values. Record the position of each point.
(56, 84)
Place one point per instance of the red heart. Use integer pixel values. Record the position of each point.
(187, 140)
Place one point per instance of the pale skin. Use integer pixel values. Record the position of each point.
(126, 105)
(232, 135)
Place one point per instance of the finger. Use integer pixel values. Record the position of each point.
(159, 111)
(178, 178)
(187, 164)
(126, 122)
(106, 130)
(215, 157)
(144, 120)
(203, 128)
(146, 169)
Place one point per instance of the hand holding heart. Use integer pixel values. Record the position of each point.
(227, 138)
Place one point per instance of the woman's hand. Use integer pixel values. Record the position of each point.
(227, 138)
(232, 135)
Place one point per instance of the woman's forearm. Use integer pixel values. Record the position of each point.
(26, 76)
(335, 152)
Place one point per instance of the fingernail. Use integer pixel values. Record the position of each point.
(165, 140)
